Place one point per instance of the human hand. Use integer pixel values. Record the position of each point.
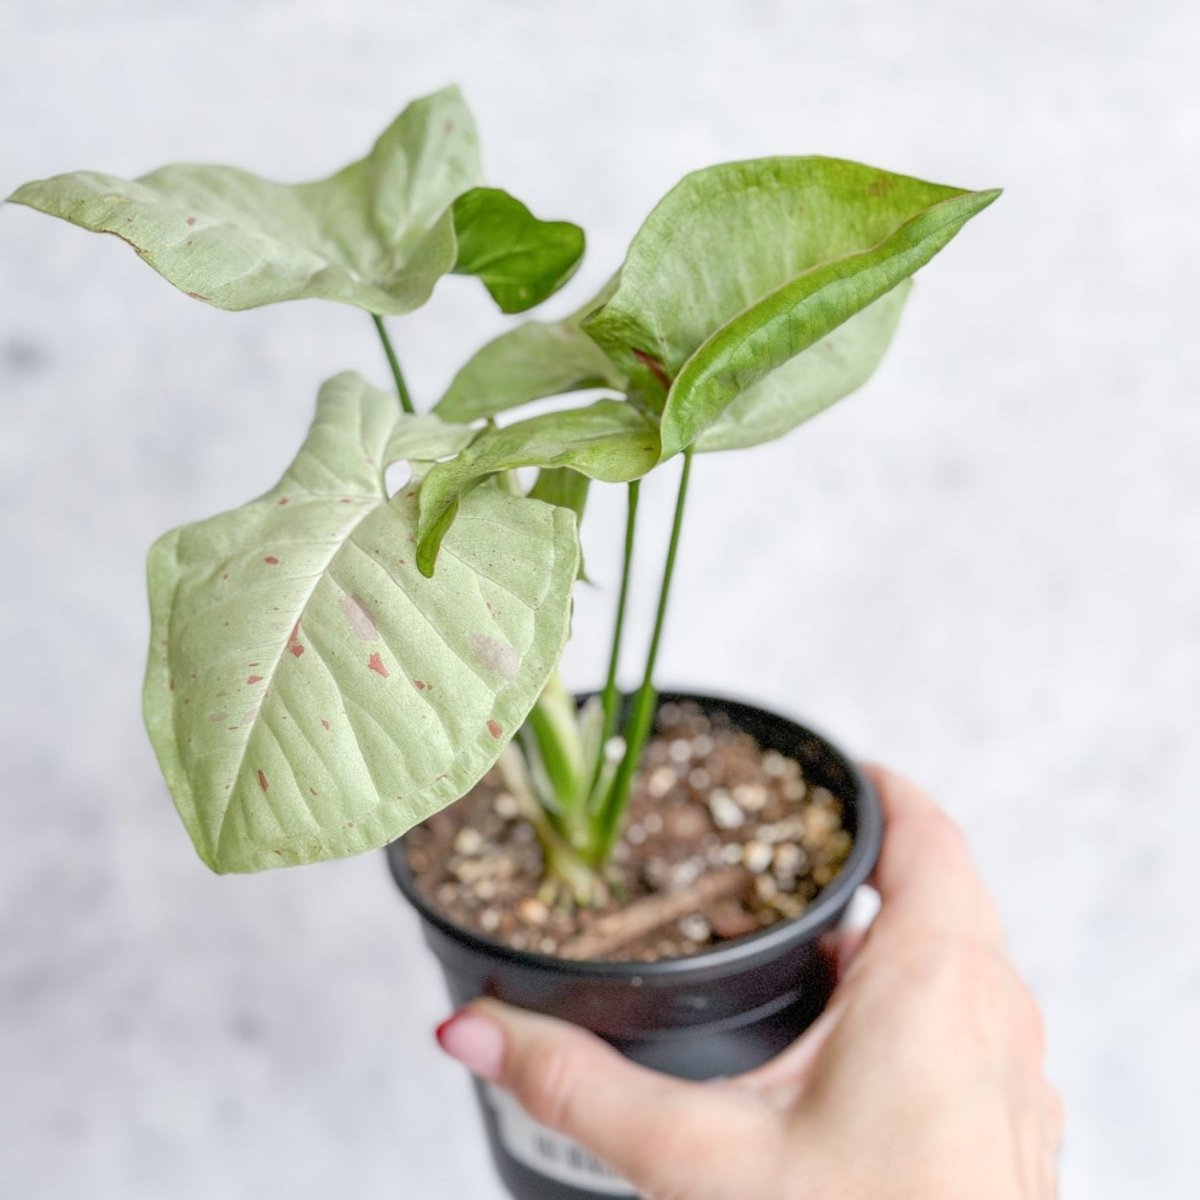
(922, 1079)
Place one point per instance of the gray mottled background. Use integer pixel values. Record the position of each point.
(982, 569)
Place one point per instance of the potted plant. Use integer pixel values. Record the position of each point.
(338, 661)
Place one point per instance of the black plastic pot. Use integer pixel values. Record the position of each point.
(718, 1012)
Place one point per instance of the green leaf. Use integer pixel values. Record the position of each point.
(519, 259)
(379, 234)
(535, 360)
(309, 694)
(608, 440)
(562, 486)
(735, 248)
(809, 383)
(568, 489)
(798, 315)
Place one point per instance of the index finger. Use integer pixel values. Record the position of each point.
(925, 875)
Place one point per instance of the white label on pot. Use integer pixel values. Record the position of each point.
(549, 1153)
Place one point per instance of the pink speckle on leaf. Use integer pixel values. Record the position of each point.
(254, 679)
(324, 723)
(494, 729)
(283, 499)
(376, 665)
(495, 655)
(358, 615)
(420, 684)
(262, 780)
(191, 220)
(294, 641)
(271, 560)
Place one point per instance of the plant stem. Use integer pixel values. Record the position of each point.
(638, 727)
(611, 697)
(398, 375)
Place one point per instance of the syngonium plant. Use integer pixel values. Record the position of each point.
(334, 661)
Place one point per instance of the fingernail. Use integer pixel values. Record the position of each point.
(476, 1042)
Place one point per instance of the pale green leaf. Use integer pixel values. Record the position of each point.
(609, 440)
(425, 439)
(809, 383)
(535, 360)
(728, 238)
(309, 694)
(379, 234)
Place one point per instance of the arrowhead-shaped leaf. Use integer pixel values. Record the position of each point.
(743, 266)
(809, 383)
(608, 440)
(379, 234)
(309, 694)
(535, 360)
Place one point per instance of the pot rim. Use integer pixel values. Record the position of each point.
(833, 899)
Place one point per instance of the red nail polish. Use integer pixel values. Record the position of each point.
(475, 1041)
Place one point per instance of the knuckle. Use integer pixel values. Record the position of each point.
(549, 1082)
(950, 959)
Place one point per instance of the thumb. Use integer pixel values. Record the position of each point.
(654, 1130)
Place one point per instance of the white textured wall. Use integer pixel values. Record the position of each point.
(982, 569)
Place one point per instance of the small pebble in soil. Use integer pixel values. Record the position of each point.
(661, 781)
(772, 764)
(725, 813)
(684, 874)
(756, 856)
(469, 842)
(787, 859)
(819, 824)
(532, 911)
(750, 797)
(793, 791)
